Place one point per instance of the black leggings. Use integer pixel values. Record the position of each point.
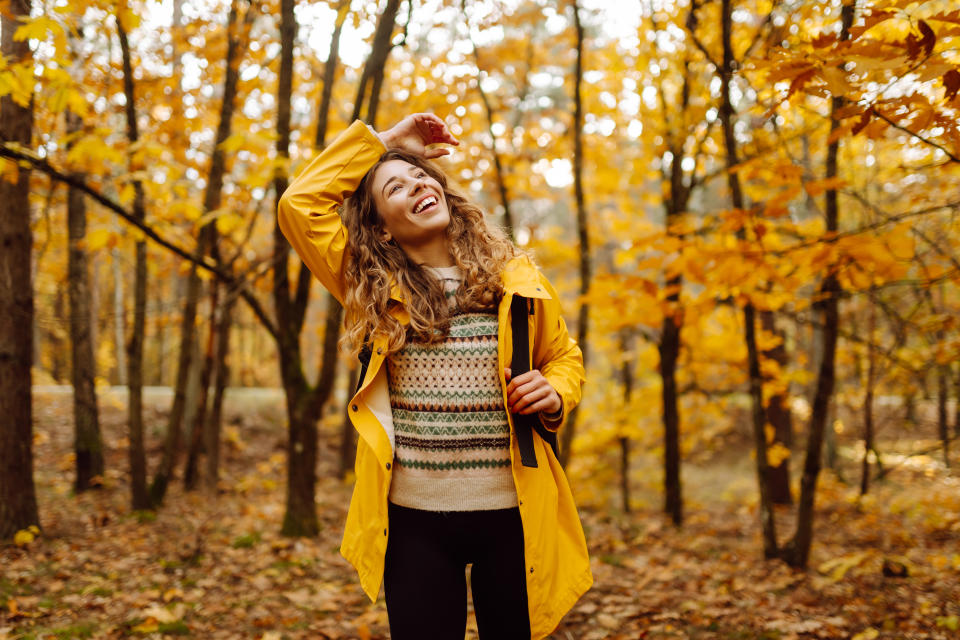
(425, 574)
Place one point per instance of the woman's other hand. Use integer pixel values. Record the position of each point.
(416, 132)
(530, 392)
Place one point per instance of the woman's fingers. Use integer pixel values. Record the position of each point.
(434, 130)
(436, 152)
(531, 392)
(417, 133)
(533, 397)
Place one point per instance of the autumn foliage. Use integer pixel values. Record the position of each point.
(789, 165)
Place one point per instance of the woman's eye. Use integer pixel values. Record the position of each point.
(394, 188)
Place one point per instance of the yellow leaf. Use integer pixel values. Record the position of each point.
(233, 143)
(165, 615)
(227, 222)
(90, 148)
(23, 537)
(901, 243)
(869, 634)
(127, 193)
(22, 80)
(170, 594)
(776, 454)
(838, 567)
(98, 239)
(38, 29)
(147, 626)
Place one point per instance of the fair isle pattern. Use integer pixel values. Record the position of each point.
(452, 434)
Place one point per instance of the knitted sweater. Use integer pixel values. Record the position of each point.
(452, 434)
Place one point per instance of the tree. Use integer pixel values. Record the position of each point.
(583, 235)
(305, 402)
(220, 323)
(797, 551)
(88, 446)
(18, 501)
(726, 70)
(139, 498)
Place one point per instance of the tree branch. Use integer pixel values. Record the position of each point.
(895, 125)
(227, 278)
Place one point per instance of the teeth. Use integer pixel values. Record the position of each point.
(426, 202)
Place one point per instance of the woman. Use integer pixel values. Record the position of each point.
(427, 288)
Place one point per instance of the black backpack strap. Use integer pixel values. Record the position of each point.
(525, 424)
(364, 358)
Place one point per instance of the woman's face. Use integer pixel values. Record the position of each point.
(411, 203)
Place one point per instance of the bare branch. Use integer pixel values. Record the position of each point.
(227, 278)
(895, 125)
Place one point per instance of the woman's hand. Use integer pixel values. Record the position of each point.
(530, 392)
(415, 132)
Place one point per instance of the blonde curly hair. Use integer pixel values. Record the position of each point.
(374, 266)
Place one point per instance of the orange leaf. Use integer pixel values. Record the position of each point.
(951, 82)
(863, 121)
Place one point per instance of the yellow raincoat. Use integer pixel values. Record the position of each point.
(558, 569)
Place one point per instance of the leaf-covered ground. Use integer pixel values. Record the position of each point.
(206, 567)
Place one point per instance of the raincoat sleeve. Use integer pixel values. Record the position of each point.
(308, 210)
(557, 355)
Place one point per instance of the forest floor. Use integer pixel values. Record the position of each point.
(216, 567)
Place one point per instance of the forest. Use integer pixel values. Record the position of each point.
(750, 208)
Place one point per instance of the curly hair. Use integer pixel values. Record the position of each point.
(374, 267)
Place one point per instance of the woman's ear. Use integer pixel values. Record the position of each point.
(385, 235)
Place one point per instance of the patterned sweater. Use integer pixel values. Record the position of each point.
(452, 434)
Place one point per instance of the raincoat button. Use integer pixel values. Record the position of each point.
(384, 532)
(354, 407)
(388, 466)
(379, 351)
(531, 569)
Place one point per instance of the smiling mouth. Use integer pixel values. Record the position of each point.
(429, 201)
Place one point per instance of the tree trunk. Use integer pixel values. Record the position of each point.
(778, 416)
(300, 518)
(868, 442)
(943, 430)
(797, 551)
(221, 379)
(331, 333)
(18, 501)
(172, 441)
(375, 66)
(583, 317)
(749, 314)
(191, 471)
(87, 444)
(497, 163)
(626, 378)
(956, 405)
(329, 76)
(669, 349)
(137, 456)
(207, 242)
(139, 498)
(305, 404)
(119, 314)
(58, 348)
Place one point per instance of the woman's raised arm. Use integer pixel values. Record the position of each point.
(308, 210)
